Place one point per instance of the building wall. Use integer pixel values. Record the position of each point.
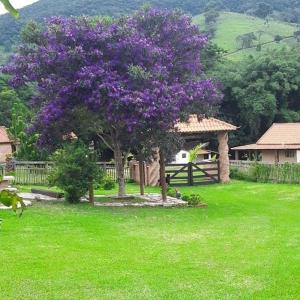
(5, 149)
(269, 156)
(182, 157)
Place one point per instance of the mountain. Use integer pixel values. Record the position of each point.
(230, 26)
(10, 28)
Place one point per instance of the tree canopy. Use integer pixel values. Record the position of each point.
(135, 73)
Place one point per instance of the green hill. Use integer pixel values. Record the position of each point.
(231, 25)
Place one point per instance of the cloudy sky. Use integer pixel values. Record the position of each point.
(17, 3)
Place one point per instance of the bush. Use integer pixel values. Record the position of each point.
(108, 183)
(75, 169)
(171, 192)
(193, 200)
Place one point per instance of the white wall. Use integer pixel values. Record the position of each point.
(179, 159)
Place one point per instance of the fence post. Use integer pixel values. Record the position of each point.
(219, 177)
(190, 173)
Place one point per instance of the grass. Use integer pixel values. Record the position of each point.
(245, 245)
(231, 25)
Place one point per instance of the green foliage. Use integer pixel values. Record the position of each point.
(108, 183)
(75, 169)
(259, 91)
(193, 199)
(8, 199)
(171, 192)
(26, 149)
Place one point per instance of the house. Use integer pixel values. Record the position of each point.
(183, 156)
(6, 145)
(280, 144)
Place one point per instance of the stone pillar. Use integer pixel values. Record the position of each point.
(224, 157)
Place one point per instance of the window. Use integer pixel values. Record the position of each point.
(290, 153)
(183, 155)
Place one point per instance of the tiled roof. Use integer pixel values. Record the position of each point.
(281, 133)
(4, 138)
(278, 136)
(198, 125)
(267, 147)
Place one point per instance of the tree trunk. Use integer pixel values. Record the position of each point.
(162, 175)
(119, 169)
(91, 192)
(142, 176)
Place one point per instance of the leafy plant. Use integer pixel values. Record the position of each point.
(171, 192)
(193, 154)
(193, 199)
(108, 183)
(75, 169)
(8, 199)
(10, 8)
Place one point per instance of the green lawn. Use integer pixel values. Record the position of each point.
(245, 245)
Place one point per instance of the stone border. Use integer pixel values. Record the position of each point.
(148, 200)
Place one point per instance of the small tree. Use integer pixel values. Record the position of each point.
(75, 171)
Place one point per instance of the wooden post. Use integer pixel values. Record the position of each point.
(236, 155)
(224, 157)
(190, 173)
(142, 177)
(162, 171)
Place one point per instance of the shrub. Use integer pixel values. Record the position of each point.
(108, 183)
(8, 199)
(75, 169)
(171, 192)
(193, 199)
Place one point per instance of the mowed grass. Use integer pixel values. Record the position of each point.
(231, 25)
(245, 245)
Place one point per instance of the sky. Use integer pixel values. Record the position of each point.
(17, 4)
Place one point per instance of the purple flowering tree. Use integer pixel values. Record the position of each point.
(132, 74)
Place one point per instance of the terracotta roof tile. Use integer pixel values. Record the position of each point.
(278, 136)
(195, 125)
(4, 138)
(281, 134)
(267, 147)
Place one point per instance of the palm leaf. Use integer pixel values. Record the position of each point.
(10, 8)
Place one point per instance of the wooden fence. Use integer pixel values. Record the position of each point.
(266, 172)
(37, 173)
(110, 170)
(34, 173)
(193, 173)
